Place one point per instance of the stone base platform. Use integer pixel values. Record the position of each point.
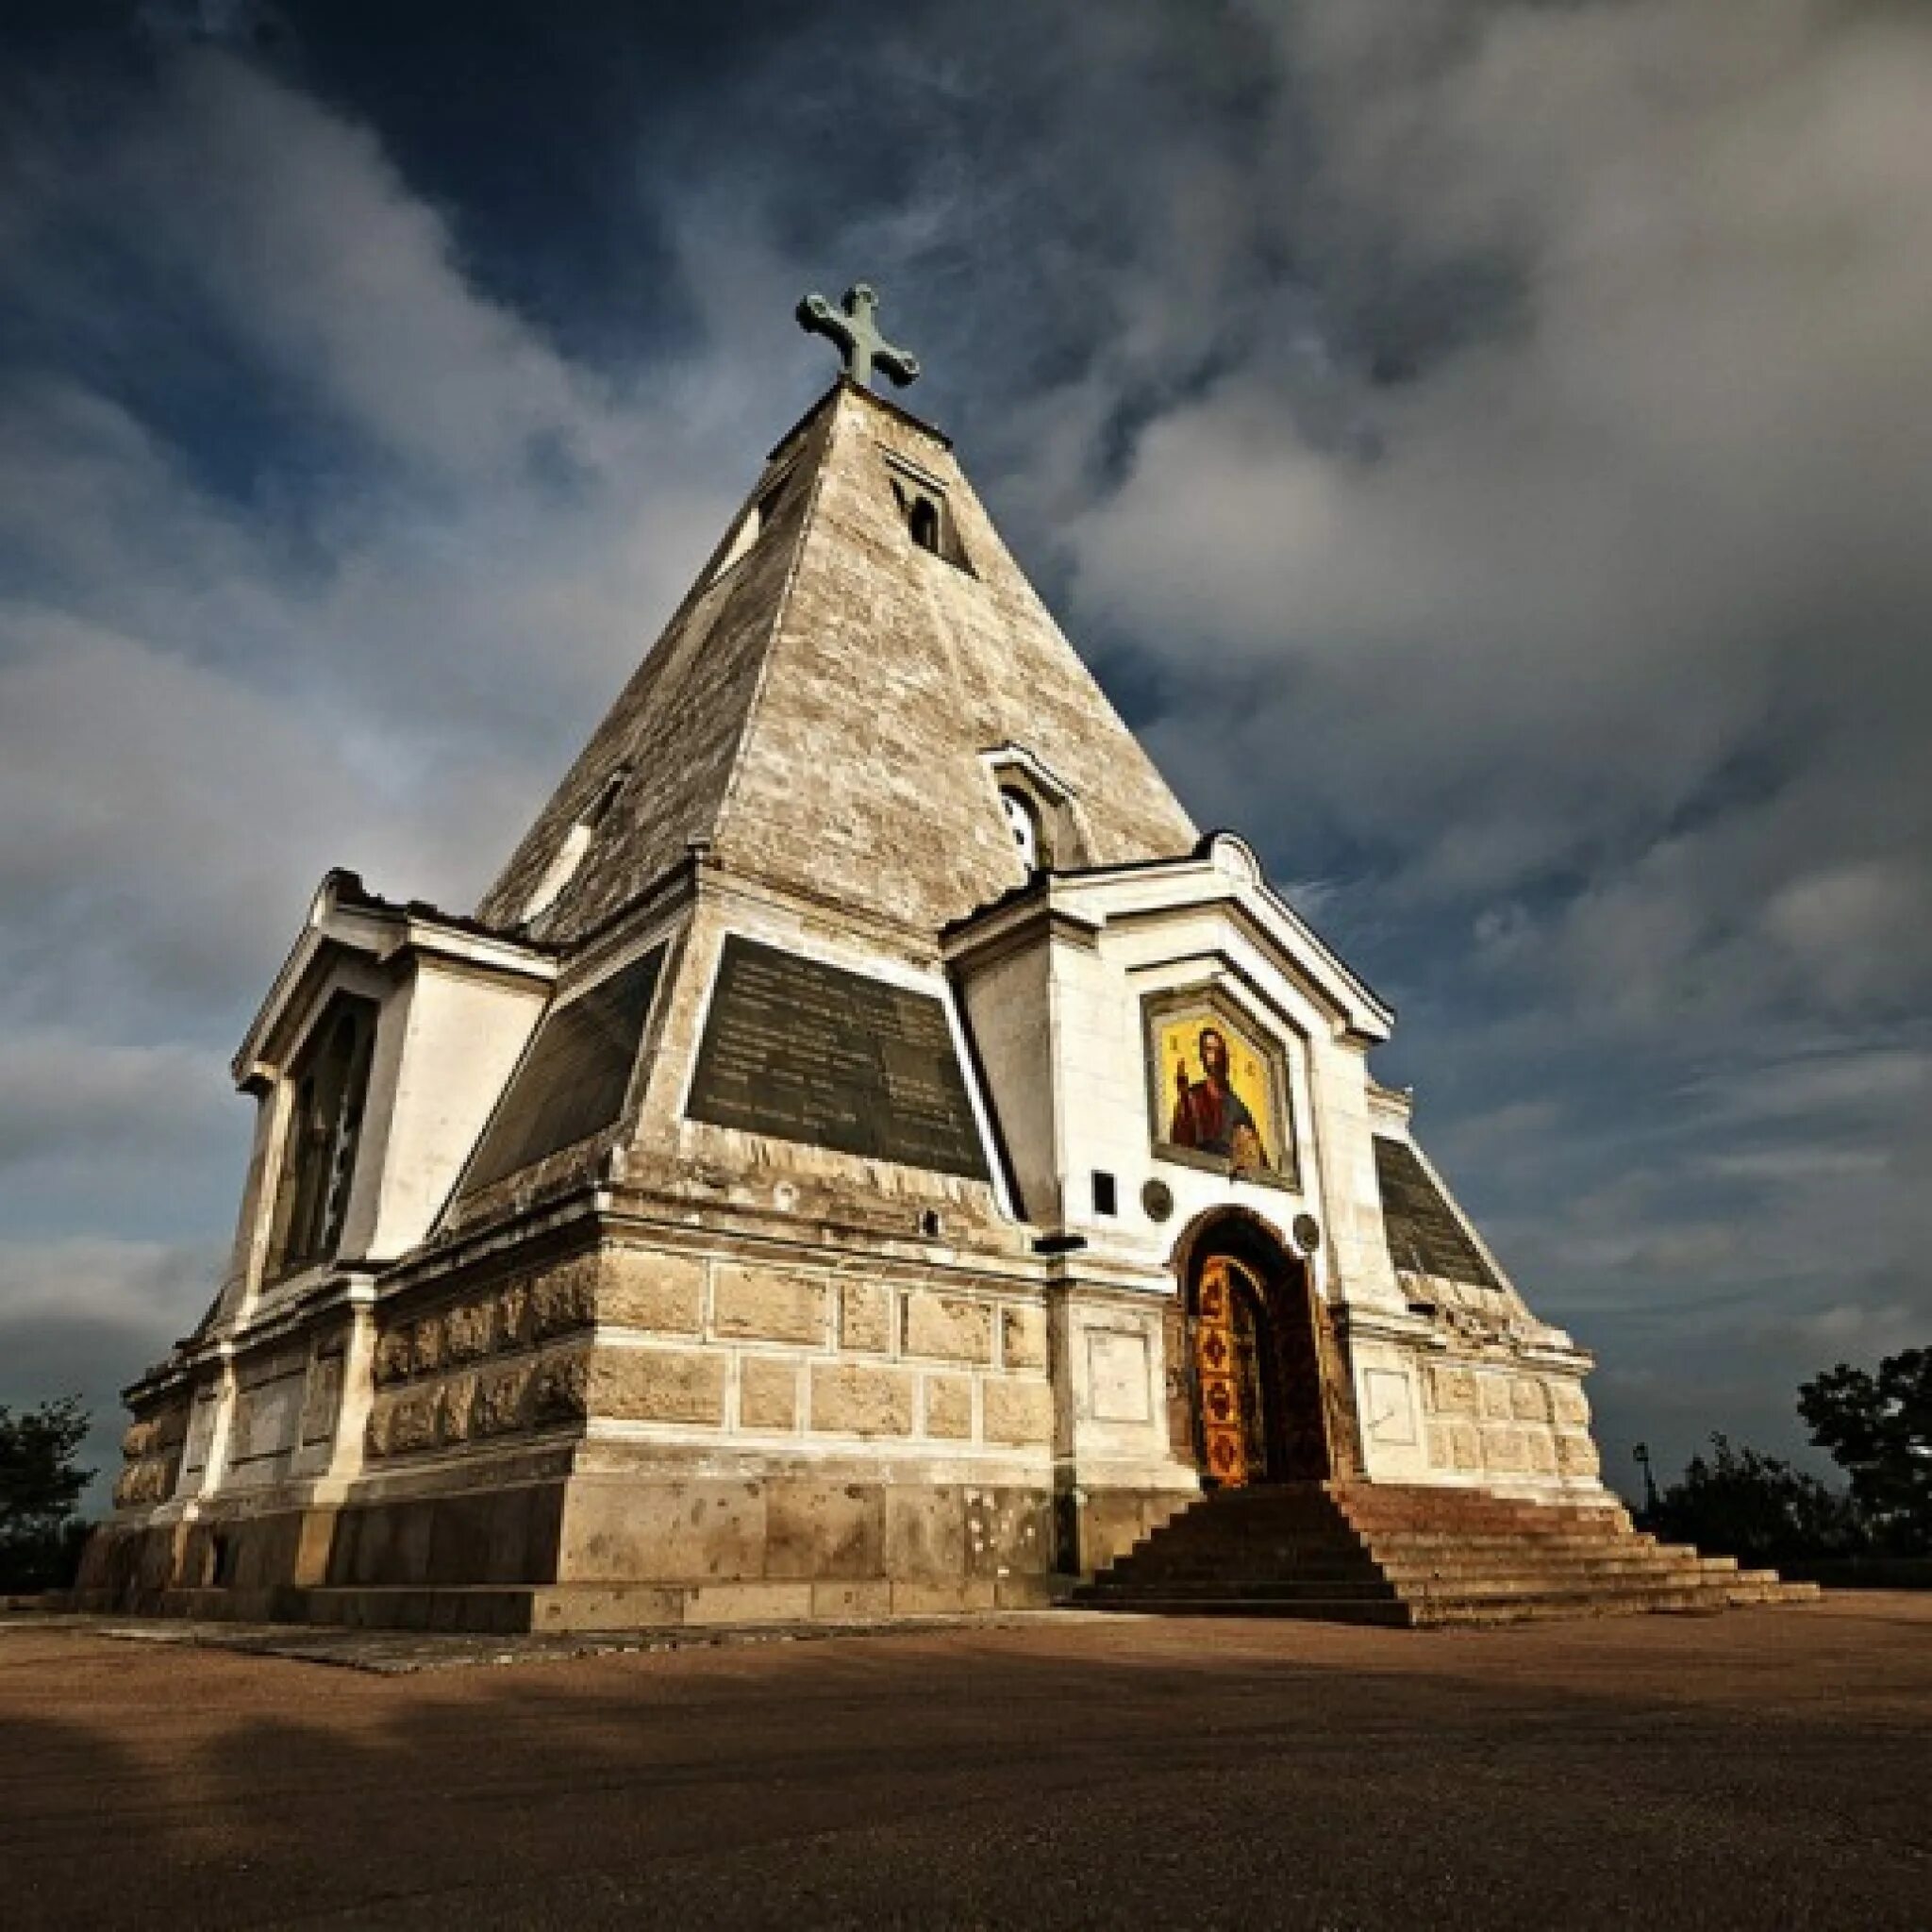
(514, 1610)
(1411, 1556)
(609, 1550)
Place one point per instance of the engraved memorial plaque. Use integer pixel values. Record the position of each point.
(803, 1051)
(1424, 1232)
(572, 1080)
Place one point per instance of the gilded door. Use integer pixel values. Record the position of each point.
(1227, 1371)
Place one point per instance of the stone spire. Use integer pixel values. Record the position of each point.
(827, 709)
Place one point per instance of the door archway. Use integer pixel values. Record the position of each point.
(1259, 1370)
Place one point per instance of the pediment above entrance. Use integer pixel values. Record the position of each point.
(1216, 905)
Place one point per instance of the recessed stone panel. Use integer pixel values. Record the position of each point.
(1528, 1400)
(763, 1305)
(1453, 1391)
(560, 1388)
(1495, 1398)
(564, 1302)
(502, 1401)
(1118, 1373)
(1017, 1412)
(413, 1422)
(1391, 1416)
(1023, 1338)
(322, 1398)
(459, 1409)
(949, 1326)
(767, 1394)
(645, 1289)
(469, 1331)
(865, 1317)
(509, 1316)
(429, 1345)
(658, 1385)
(1575, 1455)
(1569, 1404)
(861, 1399)
(949, 1406)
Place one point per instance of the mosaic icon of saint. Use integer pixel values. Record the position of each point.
(1208, 1115)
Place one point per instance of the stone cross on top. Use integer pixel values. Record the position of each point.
(854, 327)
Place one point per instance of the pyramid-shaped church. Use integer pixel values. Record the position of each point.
(868, 1152)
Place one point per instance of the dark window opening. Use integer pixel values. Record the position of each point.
(325, 1128)
(1105, 1193)
(927, 521)
(607, 796)
(1023, 821)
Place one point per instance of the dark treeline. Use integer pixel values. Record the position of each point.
(1876, 1427)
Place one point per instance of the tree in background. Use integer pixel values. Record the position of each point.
(40, 1528)
(1739, 1503)
(1879, 1430)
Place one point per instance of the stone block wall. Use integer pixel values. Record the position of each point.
(151, 1451)
(800, 1541)
(744, 1437)
(1498, 1422)
(750, 1354)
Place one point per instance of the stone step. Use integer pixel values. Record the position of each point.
(1255, 1506)
(1359, 1552)
(1709, 1601)
(1391, 1612)
(1208, 1589)
(1236, 1599)
(1474, 1581)
(1276, 1554)
(1452, 1561)
(1224, 1540)
(1448, 1560)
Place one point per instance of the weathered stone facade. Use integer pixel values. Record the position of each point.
(903, 1326)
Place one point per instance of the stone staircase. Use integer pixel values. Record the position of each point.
(1409, 1556)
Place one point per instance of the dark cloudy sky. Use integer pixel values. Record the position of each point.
(1485, 448)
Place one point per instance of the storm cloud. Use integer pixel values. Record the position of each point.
(1484, 448)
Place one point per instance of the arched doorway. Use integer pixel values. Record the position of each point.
(1260, 1375)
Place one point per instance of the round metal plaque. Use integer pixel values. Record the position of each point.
(1158, 1198)
(1308, 1233)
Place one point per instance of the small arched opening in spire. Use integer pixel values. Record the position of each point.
(1023, 821)
(922, 522)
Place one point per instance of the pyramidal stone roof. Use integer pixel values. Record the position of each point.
(819, 711)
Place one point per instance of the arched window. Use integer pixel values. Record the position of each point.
(928, 516)
(1023, 821)
(331, 1089)
(922, 521)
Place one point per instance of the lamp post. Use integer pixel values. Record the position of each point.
(1640, 1456)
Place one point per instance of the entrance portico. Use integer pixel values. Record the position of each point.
(1266, 1397)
